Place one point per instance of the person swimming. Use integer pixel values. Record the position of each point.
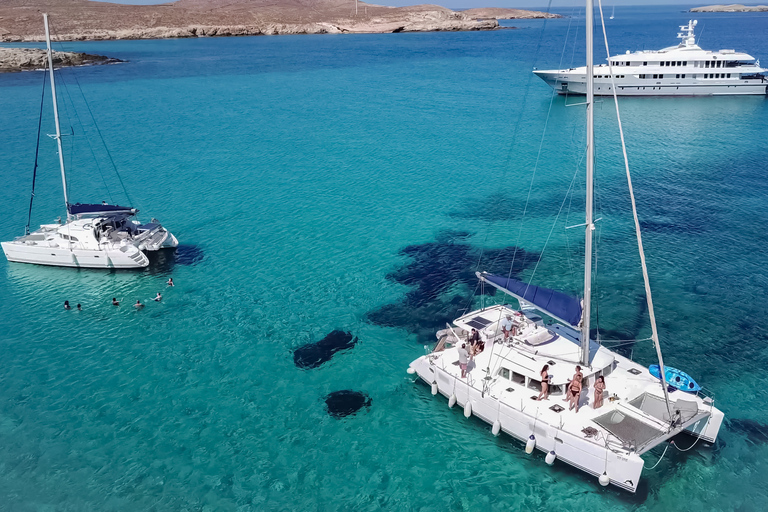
(170, 281)
(66, 305)
(115, 302)
(138, 304)
(79, 307)
(158, 298)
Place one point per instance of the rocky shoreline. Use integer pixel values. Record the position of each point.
(80, 20)
(23, 59)
(731, 8)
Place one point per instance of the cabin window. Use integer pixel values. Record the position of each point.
(645, 63)
(676, 76)
(706, 64)
(679, 63)
(534, 384)
(682, 76)
(655, 76)
(607, 370)
(504, 373)
(719, 63)
(661, 76)
(685, 63)
(729, 75)
(518, 378)
(661, 63)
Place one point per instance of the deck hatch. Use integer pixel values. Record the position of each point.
(478, 322)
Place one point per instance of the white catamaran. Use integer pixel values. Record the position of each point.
(94, 235)
(607, 441)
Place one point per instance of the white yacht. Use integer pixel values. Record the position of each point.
(682, 70)
(638, 411)
(93, 235)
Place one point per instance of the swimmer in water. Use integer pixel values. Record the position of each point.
(66, 305)
(115, 302)
(158, 298)
(138, 304)
(170, 281)
(79, 307)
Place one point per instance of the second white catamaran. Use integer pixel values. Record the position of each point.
(504, 381)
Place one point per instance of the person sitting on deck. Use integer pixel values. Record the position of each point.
(599, 389)
(474, 342)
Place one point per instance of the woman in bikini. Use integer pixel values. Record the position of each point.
(599, 388)
(574, 390)
(544, 395)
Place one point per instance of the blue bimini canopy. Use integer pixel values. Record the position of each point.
(556, 304)
(86, 209)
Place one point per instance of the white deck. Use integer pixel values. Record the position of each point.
(632, 428)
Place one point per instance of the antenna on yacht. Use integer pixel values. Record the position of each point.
(56, 114)
(590, 171)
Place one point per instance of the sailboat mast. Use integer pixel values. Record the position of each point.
(589, 199)
(56, 113)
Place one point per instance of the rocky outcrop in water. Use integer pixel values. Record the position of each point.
(343, 403)
(501, 13)
(313, 355)
(731, 8)
(20, 59)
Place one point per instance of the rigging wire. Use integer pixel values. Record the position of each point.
(101, 137)
(37, 151)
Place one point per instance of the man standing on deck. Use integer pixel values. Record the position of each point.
(506, 326)
(463, 359)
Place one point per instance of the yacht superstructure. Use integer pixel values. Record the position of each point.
(682, 70)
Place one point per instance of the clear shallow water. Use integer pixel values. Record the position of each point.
(355, 182)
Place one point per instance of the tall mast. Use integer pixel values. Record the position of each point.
(590, 171)
(56, 114)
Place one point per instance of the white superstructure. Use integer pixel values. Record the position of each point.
(93, 235)
(504, 380)
(682, 70)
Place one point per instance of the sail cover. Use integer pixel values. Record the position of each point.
(75, 209)
(556, 304)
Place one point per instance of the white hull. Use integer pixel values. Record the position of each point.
(494, 397)
(79, 258)
(568, 83)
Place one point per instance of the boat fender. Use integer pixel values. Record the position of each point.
(452, 401)
(530, 444)
(604, 480)
(496, 427)
(550, 458)
(468, 409)
(434, 388)
(411, 371)
(142, 247)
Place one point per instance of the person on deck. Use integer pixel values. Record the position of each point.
(463, 359)
(507, 326)
(474, 342)
(544, 395)
(574, 392)
(599, 389)
(578, 375)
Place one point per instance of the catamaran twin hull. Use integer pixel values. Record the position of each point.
(606, 442)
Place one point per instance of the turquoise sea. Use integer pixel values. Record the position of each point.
(356, 183)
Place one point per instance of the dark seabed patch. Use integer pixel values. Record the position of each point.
(432, 271)
(313, 355)
(346, 402)
(164, 260)
(756, 432)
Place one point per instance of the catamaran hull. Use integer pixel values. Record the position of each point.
(565, 83)
(580, 452)
(78, 258)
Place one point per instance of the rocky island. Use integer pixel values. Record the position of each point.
(78, 20)
(731, 8)
(21, 59)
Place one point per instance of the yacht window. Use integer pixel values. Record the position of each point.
(719, 63)
(673, 63)
(729, 75)
(607, 370)
(661, 76)
(717, 75)
(504, 373)
(645, 63)
(679, 63)
(682, 76)
(706, 64)
(685, 63)
(676, 76)
(655, 76)
(661, 63)
(534, 384)
(516, 377)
